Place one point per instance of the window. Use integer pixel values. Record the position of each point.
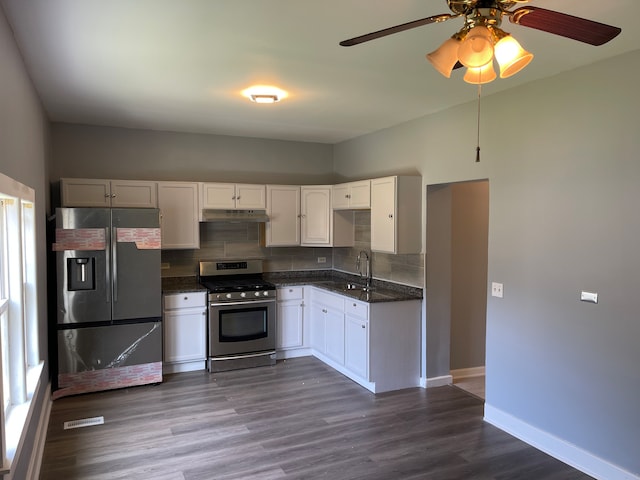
(20, 357)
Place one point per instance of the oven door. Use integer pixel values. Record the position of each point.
(238, 328)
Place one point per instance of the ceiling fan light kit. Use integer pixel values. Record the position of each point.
(481, 40)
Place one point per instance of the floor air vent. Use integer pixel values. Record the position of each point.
(83, 422)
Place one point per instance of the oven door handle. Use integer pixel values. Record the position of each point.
(244, 303)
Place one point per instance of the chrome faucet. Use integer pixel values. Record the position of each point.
(368, 265)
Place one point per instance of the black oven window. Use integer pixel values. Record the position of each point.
(242, 324)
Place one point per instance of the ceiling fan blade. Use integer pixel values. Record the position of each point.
(576, 28)
(398, 28)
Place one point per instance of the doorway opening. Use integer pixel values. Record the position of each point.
(456, 283)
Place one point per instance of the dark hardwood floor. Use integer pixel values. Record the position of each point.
(297, 420)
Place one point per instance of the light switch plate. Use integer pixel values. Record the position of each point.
(496, 289)
(589, 297)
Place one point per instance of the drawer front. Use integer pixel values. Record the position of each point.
(290, 293)
(356, 308)
(185, 300)
(329, 299)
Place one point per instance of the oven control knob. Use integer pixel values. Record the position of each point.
(257, 294)
(243, 294)
(228, 295)
(265, 293)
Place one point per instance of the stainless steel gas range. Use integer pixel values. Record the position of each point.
(242, 315)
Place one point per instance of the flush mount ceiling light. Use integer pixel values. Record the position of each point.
(264, 94)
(481, 40)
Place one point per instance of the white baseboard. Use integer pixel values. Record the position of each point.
(556, 447)
(467, 372)
(436, 381)
(35, 462)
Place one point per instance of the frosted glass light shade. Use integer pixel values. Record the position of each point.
(480, 75)
(476, 49)
(511, 56)
(445, 57)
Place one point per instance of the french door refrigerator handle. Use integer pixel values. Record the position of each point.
(114, 263)
(107, 270)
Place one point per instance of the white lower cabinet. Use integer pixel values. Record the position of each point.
(185, 332)
(290, 319)
(356, 335)
(376, 345)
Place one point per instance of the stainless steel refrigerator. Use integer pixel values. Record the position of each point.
(109, 306)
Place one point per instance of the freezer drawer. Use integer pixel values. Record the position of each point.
(111, 346)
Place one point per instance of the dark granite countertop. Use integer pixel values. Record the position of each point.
(329, 280)
(181, 285)
(336, 282)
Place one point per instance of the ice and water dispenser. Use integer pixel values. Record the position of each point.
(81, 274)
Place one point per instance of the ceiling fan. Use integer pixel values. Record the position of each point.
(481, 39)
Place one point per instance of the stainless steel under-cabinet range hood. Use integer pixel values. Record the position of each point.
(234, 216)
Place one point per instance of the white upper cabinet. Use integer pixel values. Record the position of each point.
(178, 203)
(396, 220)
(352, 195)
(283, 210)
(316, 216)
(84, 192)
(233, 196)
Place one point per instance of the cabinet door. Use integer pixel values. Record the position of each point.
(340, 196)
(318, 327)
(383, 214)
(290, 320)
(283, 210)
(85, 192)
(334, 333)
(185, 335)
(360, 194)
(178, 203)
(316, 223)
(250, 196)
(357, 345)
(133, 194)
(219, 195)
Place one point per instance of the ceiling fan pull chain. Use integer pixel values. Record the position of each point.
(478, 133)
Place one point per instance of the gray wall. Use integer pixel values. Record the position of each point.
(24, 140)
(561, 156)
(469, 237)
(102, 152)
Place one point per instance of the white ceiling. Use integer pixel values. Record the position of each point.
(180, 65)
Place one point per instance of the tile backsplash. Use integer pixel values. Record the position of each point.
(243, 240)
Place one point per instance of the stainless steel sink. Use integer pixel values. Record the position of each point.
(356, 287)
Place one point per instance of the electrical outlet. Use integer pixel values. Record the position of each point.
(496, 289)
(322, 259)
(165, 266)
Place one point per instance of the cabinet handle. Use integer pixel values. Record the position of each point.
(290, 290)
(238, 197)
(106, 195)
(113, 195)
(324, 310)
(390, 215)
(364, 326)
(355, 305)
(233, 198)
(204, 314)
(186, 298)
